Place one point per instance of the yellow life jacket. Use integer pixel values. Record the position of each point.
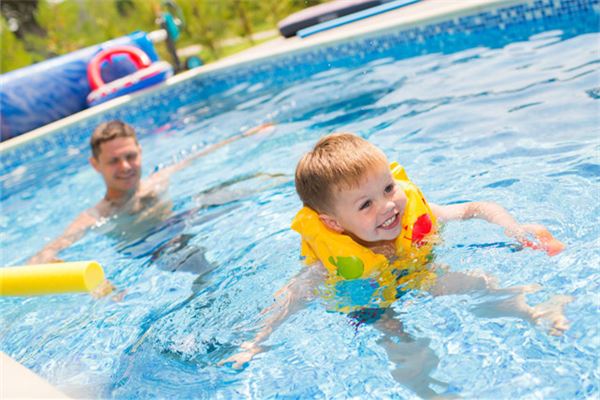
(345, 259)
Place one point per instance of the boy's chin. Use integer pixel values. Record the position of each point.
(376, 240)
(387, 238)
(387, 235)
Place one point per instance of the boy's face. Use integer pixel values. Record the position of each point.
(371, 211)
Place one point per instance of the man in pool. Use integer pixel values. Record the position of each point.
(117, 157)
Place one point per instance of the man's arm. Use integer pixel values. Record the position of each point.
(73, 233)
(288, 300)
(165, 173)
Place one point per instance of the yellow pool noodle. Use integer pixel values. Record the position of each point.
(65, 277)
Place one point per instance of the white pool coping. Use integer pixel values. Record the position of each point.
(426, 11)
(19, 382)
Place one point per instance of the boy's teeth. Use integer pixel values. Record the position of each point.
(387, 222)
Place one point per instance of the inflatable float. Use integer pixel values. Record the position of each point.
(49, 90)
(334, 13)
(321, 13)
(369, 12)
(148, 73)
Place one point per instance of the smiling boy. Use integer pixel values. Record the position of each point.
(366, 224)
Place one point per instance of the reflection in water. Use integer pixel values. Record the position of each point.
(170, 246)
(162, 234)
(414, 361)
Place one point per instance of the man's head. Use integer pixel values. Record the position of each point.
(347, 181)
(108, 131)
(117, 156)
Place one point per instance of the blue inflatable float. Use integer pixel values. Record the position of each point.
(34, 96)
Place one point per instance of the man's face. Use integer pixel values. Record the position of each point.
(371, 211)
(119, 163)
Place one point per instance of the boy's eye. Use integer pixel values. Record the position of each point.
(131, 157)
(389, 188)
(364, 205)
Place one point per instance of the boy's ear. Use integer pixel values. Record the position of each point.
(331, 223)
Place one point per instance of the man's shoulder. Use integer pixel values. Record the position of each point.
(95, 213)
(82, 222)
(153, 187)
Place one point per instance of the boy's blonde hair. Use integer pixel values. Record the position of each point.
(338, 161)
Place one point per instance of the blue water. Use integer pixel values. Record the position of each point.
(516, 122)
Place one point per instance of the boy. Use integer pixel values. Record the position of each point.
(368, 225)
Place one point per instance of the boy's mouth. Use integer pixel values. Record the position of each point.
(390, 223)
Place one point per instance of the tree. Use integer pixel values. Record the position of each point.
(21, 14)
(205, 23)
(241, 18)
(12, 52)
(74, 24)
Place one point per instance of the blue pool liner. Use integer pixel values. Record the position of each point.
(36, 95)
(370, 12)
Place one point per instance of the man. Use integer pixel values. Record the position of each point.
(117, 157)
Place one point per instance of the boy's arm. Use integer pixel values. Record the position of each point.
(288, 300)
(73, 233)
(490, 212)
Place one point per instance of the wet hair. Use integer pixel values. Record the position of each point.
(338, 161)
(108, 131)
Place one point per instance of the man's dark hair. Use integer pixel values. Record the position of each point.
(110, 130)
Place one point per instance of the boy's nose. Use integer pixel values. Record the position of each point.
(387, 206)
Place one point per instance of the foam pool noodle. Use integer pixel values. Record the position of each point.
(55, 278)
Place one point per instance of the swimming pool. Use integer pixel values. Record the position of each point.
(509, 115)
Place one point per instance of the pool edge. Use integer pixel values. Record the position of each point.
(19, 382)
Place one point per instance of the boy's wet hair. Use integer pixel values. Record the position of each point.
(338, 161)
(110, 130)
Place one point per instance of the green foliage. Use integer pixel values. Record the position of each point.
(204, 23)
(73, 24)
(12, 52)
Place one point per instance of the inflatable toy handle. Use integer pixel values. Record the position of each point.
(547, 242)
(137, 55)
(41, 279)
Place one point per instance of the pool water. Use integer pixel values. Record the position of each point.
(516, 122)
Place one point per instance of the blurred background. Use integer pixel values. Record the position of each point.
(35, 30)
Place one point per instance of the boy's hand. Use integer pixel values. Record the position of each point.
(242, 358)
(543, 239)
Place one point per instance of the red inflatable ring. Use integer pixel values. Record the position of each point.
(139, 58)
